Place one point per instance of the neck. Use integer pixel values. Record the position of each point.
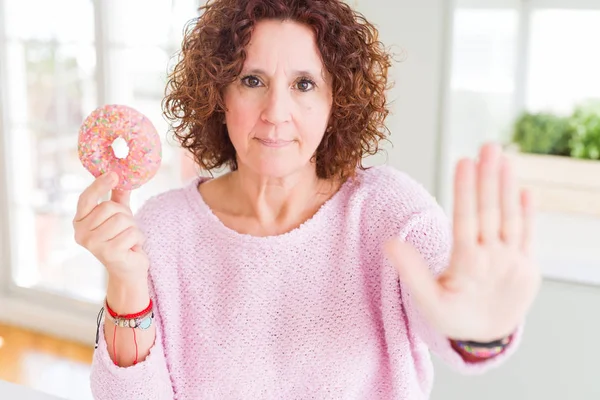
(273, 200)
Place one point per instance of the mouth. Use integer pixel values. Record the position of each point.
(274, 142)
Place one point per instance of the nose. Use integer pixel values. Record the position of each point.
(277, 109)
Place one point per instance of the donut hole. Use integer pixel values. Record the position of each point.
(120, 148)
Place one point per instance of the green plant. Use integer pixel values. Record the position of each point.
(585, 127)
(543, 133)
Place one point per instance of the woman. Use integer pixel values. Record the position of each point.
(299, 274)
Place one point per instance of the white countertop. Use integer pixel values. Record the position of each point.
(10, 391)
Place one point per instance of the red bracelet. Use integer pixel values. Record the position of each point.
(473, 354)
(129, 316)
(113, 314)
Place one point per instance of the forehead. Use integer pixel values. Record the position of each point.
(283, 43)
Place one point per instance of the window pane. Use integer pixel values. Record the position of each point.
(484, 51)
(564, 62)
(50, 85)
(482, 82)
(148, 22)
(65, 21)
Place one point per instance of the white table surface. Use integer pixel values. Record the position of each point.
(10, 391)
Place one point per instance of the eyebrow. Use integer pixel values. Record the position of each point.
(303, 72)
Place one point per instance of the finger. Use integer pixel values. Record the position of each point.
(465, 203)
(510, 204)
(113, 226)
(415, 274)
(528, 218)
(488, 192)
(121, 196)
(129, 239)
(90, 197)
(101, 214)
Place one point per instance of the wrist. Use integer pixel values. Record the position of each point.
(472, 351)
(127, 297)
(486, 338)
(488, 343)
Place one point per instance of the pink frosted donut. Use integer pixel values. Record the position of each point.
(120, 139)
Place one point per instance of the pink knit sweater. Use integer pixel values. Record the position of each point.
(315, 313)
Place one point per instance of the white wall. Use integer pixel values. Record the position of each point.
(560, 356)
(414, 30)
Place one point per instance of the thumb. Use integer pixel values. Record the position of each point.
(414, 274)
(121, 196)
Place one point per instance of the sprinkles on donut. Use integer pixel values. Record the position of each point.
(120, 139)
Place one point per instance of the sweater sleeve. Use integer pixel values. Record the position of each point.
(429, 231)
(148, 379)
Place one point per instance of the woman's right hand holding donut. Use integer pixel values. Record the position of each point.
(108, 230)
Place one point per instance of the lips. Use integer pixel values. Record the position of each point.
(274, 142)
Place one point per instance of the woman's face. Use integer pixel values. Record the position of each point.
(279, 107)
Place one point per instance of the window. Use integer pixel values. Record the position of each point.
(509, 56)
(563, 66)
(57, 70)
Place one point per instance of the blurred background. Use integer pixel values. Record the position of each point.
(522, 72)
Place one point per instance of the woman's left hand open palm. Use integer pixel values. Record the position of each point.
(492, 278)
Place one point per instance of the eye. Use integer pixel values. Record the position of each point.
(251, 81)
(305, 85)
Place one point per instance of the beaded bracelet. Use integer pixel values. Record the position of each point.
(482, 350)
(141, 320)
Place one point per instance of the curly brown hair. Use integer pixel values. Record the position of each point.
(212, 57)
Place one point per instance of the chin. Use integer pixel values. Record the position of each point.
(277, 168)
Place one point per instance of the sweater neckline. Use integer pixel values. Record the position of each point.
(317, 222)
